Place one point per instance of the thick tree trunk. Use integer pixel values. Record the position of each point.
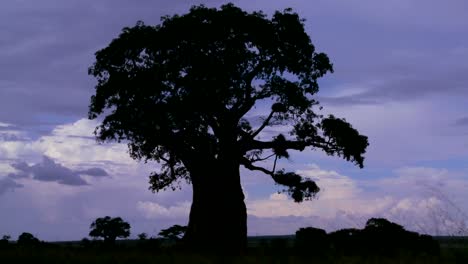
(218, 217)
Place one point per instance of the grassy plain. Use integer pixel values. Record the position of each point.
(261, 250)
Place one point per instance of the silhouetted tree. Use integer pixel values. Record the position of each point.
(383, 225)
(312, 239)
(427, 244)
(147, 242)
(85, 242)
(179, 92)
(384, 237)
(27, 239)
(5, 241)
(142, 236)
(381, 236)
(175, 232)
(109, 229)
(347, 241)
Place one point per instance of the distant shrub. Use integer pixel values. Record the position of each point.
(347, 241)
(428, 245)
(27, 239)
(312, 240)
(146, 242)
(384, 237)
(85, 242)
(175, 232)
(142, 236)
(5, 241)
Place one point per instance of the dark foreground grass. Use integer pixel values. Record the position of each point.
(72, 255)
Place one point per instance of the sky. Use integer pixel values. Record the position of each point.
(401, 78)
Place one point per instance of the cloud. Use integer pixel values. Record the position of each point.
(337, 193)
(49, 171)
(332, 185)
(96, 172)
(423, 199)
(72, 144)
(7, 184)
(402, 90)
(152, 210)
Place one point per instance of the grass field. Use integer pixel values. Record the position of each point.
(261, 250)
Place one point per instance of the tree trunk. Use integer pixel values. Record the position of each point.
(218, 216)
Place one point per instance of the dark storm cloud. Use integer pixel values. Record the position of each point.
(47, 47)
(49, 171)
(8, 184)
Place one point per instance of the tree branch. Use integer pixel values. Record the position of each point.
(274, 164)
(248, 165)
(256, 144)
(242, 108)
(261, 159)
(289, 144)
(265, 123)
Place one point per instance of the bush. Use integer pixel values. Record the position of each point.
(347, 241)
(85, 242)
(5, 241)
(312, 239)
(384, 237)
(27, 239)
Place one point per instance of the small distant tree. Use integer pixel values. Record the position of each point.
(110, 229)
(27, 239)
(310, 238)
(85, 242)
(142, 236)
(347, 241)
(175, 232)
(384, 237)
(5, 240)
(382, 224)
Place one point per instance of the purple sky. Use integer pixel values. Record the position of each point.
(401, 78)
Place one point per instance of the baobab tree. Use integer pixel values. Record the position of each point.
(178, 93)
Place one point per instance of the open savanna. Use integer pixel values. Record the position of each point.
(260, 250)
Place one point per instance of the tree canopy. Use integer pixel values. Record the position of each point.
(27, 239)
(174, 89)
(109, 228)
(174, 232)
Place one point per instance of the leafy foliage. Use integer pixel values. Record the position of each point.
(142, 236)
(109, 228)
(5, 241)
(380, 236)
(312, 239)
(27, 239)
(175, 232)
(179, 92)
